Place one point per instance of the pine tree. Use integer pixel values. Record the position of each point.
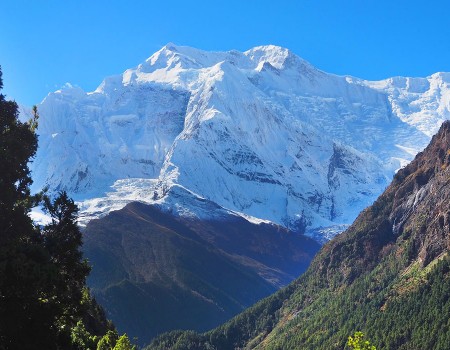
(26, 273)
(18, 144)
(62, 239)
(43, 294)
(123, 343)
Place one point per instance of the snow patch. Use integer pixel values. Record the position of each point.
(39, 217)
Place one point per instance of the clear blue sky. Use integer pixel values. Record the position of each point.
(44, 44)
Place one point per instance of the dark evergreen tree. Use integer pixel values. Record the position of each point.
(44, 301)
(18, 144)
(62, 239)
(26, 273)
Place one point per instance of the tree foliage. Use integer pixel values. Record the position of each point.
(44, 301)
(18, 144)
(112, 341)
(358, 342)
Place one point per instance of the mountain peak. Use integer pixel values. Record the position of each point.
(171, 48)
(188, 57)
(245, 130)
(272, 49)
(277, 56)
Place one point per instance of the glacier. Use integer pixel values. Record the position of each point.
(262, 134)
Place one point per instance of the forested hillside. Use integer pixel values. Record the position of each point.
(388, 275)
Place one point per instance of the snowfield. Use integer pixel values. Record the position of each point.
(261, 133)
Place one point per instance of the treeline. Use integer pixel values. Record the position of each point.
(44, 300)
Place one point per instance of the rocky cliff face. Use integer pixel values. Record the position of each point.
(421, 208)
(410, 216)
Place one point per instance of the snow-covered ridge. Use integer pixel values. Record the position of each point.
(421, 102)
(261, 132)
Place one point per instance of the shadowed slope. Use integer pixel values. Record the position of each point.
(153, 272)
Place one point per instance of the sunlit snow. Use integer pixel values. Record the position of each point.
(262, 133)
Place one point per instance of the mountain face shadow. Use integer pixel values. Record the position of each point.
(154, 272)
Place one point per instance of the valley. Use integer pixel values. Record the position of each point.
(209, 180)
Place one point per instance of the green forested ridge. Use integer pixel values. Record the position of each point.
(44, 301)
(388, 276)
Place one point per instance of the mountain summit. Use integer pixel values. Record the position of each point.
(261, 133)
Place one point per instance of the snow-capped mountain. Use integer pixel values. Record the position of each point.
(262, 133)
